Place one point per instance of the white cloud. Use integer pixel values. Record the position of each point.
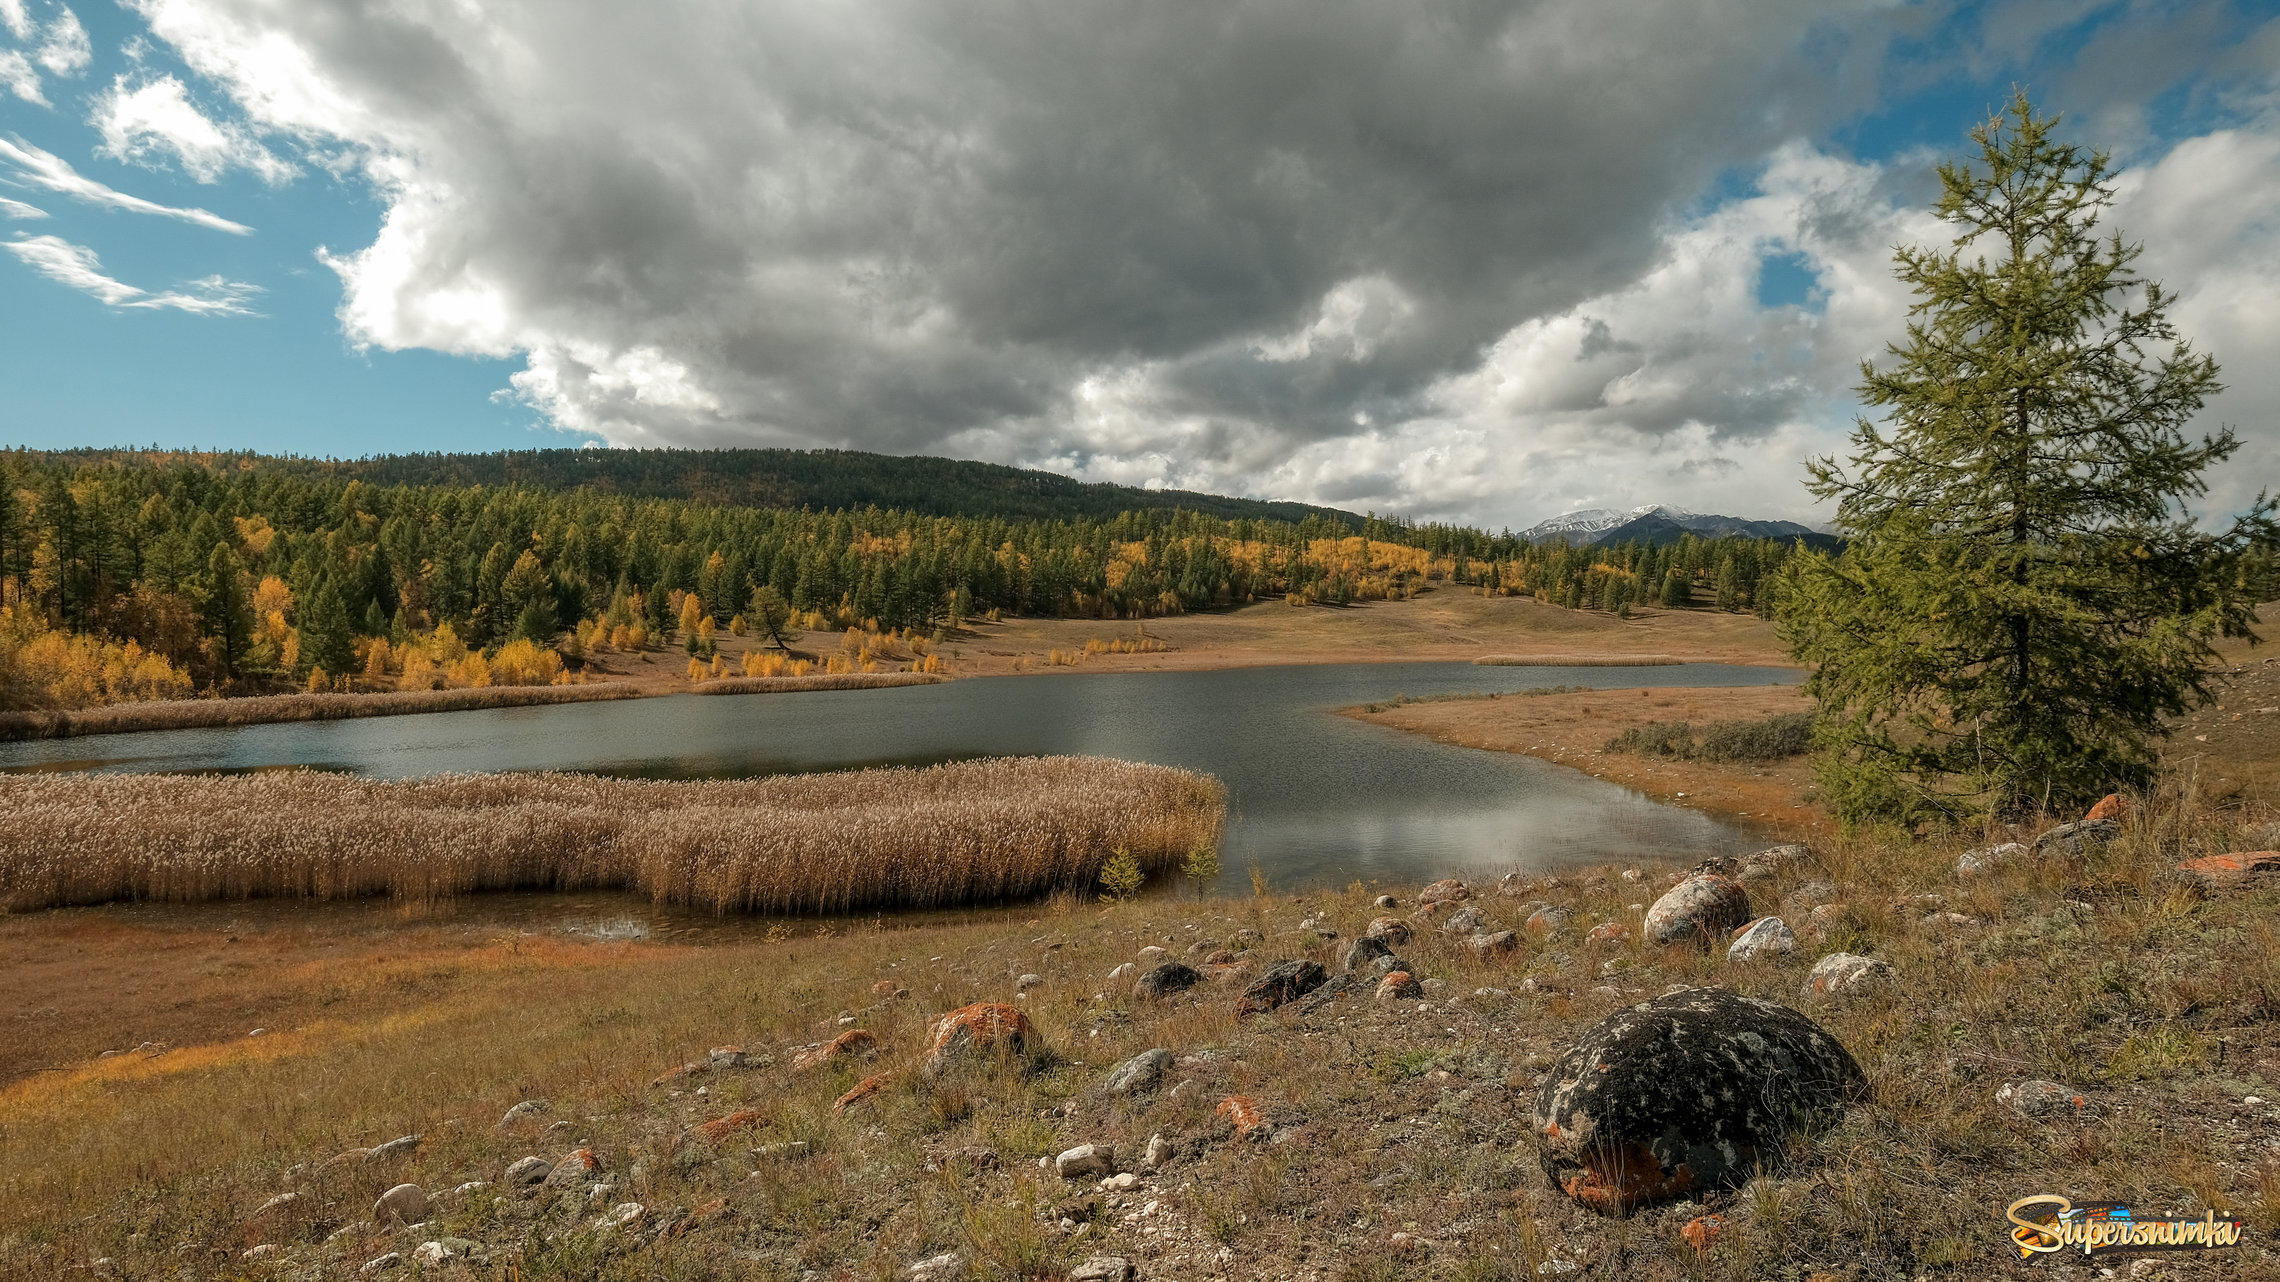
(76, 266)
(18, 209)
(22, 79)
(143, 122)
(17, 18)
(46, 169)
(63, 50)
(66, 51)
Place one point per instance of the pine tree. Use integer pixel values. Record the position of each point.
(227, 609)
(328, 638)
(2024, 597)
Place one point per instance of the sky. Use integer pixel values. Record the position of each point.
(1448, 259)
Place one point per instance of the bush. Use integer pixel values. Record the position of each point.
(1787, 735)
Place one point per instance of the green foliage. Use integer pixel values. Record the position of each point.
(328, 638)
(1201, 866)
(1121, 877)
(1787, 735)
(768, 614)
(2024, 598)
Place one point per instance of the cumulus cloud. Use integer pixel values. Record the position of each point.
(77, 266)
(1434, 257)
(46, 169)
(146, 122)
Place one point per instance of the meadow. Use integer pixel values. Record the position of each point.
(966, 832)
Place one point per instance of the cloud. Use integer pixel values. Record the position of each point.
(18, 209)
(66, 51)
(1439, 258)
(46, 169)
(77, 266)
(143, 122)
(16, 18)
(22, 79)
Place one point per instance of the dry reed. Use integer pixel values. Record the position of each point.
(200, 714)
(1575, 660)
(952, 834)
(820, 681)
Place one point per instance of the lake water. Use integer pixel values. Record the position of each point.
(1313, 798)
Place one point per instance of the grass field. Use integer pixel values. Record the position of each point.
(968, 832)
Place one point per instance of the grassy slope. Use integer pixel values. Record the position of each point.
(2154, 1000)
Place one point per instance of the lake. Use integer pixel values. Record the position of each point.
(1313, 798)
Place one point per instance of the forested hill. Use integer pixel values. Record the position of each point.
(820, 480)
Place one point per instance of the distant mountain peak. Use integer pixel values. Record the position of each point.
(1660, 523)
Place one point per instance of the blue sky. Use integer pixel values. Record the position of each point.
(1590, 254)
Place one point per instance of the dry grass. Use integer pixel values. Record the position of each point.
(1576, 660)
(203, 714)
(832, 681)
(2154, 1001)
(961, 833)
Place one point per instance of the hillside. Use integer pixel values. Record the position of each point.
(820, 480)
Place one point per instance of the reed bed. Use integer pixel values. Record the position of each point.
(202, 714)
(1576, 661)
(819, 681)
(966, 832)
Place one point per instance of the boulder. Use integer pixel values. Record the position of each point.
(1122, 973)
(1165, 980)
(1285, 981)
(2041, 1100)
(854, 1041)
(1447, 890)
(1362, 952)
(1839, 974)
(403, 1204)
(1392, 930)
(1399, 985)
(981, 1031)
(1546, 920)
(1608, 932)
(1497, 943)
(1140, 1073)
(1766, 937)
(1986, 859)
(2113, 806)
(1103, 1268)
(1086, 1161)
(1463, 921)
(1772, 860)
(1702, 908)
(2077, 838)
(1386, 901)
(1689, 1092)
(2224, 872)
(528, 1108)
(573, 1169)
(526, 1173)
(393, 1148)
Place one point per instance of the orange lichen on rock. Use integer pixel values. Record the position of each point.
(2228, 870)
(864, 1089)
(1242, 1112)
(2111, 806)
(984, 1028)
(721, 1128)
(1616, 1179)
(1703, 1230)
(853, 1041)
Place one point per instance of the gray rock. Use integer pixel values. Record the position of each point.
(1986, 859)
(574, 1169)
(405, 1203)
(431, 1255)
(1122, 973)
(2077, 838)
(278, 1202)
(1493, 943)
(1362, 952)
(1393, 930)
(1157, 1154)
(1165, 980)
(1766, 937)
(1153, 954)
(1548, 919)
(382, 1264)
(1028, 981)
(393, 1148)
(1776, 859)
(1386, 901)
(1388, 964)
(1103, 1268)
(1686, 1093)
(1840, 974)
(2041, 1100)
(1140, 1073)
(1702, 908)
(936, 1268)
(1463, 921)
(1285, 981)
(619, 1216)
(1086, 1160)
(528, 1108)
(1245, 939)
(525, 1173)
(1399, 985)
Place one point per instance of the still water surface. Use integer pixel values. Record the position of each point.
(1313, 798)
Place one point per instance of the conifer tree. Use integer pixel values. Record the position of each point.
(328, 638)
(2024, 597)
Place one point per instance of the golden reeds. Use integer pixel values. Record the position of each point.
(818, 681)
(960, 833)
(195, 714)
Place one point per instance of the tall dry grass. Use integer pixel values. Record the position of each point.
(817, 681)
(951, 834)
(202, 714)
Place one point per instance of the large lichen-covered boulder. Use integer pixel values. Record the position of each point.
(1683, 1094)
(984, 1031)
(1704, 908)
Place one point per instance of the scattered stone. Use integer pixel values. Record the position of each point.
(2224, 872)
(1772, 861)
(1362, 951)
(1386, 901)
(1086, 1160)
(1839, 974)
(405, 1203)
(573, 1169)
(2077, 838)
(862, 1090)
(471, 1186)
(1490, 994)
(381, 1264)
(1765, 937)
(1393, 930)
(720, 1128)
(1331, 991)
(1986, 859)
(1463, 921)
(1285, 981)
(1388, 964)
(1124, 1183)
(854, 1041)
(393, 1148)
(527, 1172)
(1448, 890)
(936, 1268)
(1028, 982)
(2112, 806)
(1548, 919)
(1103, 1268)
(1245, 939)
(1243, 1113)
(619, 1216)
(984, 1029)
(262, 1252)
(1493, 944)
(1165, 980)
(1400, 985)
(1700, 909)
(733, 1057)
(528, 1108)
(1608, 932)
(1684, 1093)
(276, 1203)
(1140, 1073)
(1703, 1230)
(1153, 954)
(1122, 973)
(1158, 1154)
(2042, 1100)
(430, 1255)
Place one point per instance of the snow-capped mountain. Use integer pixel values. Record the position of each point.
(1579, 526)
(1660, 523)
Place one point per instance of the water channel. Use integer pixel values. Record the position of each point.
(1313, 798)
